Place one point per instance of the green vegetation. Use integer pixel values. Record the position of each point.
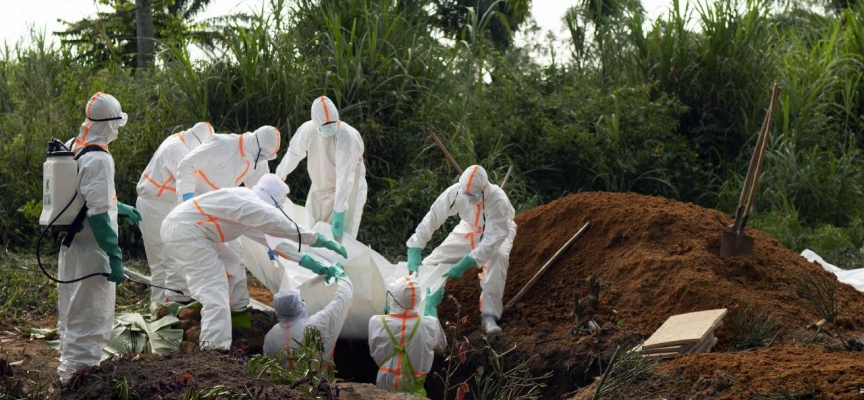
(662, 109)
(753, 328)
(305, 368)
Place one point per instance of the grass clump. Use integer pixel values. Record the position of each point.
(753, 328)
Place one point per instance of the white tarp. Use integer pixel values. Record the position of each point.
(370, 274)
(854, 277)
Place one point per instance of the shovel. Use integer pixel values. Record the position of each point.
(734, 240)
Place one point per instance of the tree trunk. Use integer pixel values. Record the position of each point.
(146, 42)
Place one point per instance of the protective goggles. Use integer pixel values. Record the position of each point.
(123, 118)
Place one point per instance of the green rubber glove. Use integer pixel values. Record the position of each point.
(414, 259)
(335, 271)
(432, 302)
(107, 240)
(312, 264)
(323, 241)
(458, 269)
(338, 225)
(132, 214)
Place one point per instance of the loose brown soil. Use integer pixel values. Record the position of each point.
(651, 257)
(655, 258)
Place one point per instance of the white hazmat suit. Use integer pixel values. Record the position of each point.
(485, 234)
(86, 308)
(195, 235)
(293, 319)
(336, 169)
(157, 196)
(404, 328)
(227, 160)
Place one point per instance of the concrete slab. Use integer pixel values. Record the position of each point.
(687, 328)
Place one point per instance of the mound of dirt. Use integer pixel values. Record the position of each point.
(652, 258)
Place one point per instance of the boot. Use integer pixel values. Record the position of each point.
(489, 324)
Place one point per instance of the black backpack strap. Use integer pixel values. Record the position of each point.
(78, 222)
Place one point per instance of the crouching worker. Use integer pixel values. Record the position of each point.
(482, 240)
(403, 342)
(195, 235)
(293, 318)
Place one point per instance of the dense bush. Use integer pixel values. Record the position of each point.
(665, 110)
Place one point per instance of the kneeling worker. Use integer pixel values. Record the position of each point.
(195, 235)
(404, 362)
(293, 318)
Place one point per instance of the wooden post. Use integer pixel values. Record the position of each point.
(546, 266)
(444, 150)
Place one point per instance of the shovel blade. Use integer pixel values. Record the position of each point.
(729, 241)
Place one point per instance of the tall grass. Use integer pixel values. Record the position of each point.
(661, 109)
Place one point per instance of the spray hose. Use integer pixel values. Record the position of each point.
(39, 258)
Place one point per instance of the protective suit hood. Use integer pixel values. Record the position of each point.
(104, 117)
(289, 306)
(196, 135)
(271, 189)
(405, 295)
(262, 144)
(323, 112)
(473, 183)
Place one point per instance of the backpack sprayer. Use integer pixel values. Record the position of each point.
(59, 187)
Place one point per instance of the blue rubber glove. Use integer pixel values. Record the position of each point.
(271, 254)
(187, 196)
(323, 241)
(313, 265)
(432, 302)
(132, 215)
(106, 237)
(458, 269)
(414, 259)
(338, 225)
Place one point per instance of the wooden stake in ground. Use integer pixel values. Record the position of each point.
(446, 153)
(546, 267)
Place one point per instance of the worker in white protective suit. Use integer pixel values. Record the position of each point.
(335, 150)
(195, 235)
(293, 319)
(227, 160)
(404, 342)
(482, 239)
(157, 196)
(86, 308)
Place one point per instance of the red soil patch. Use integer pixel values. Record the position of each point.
(654, 258)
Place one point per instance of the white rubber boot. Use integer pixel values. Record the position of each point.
(489, 324)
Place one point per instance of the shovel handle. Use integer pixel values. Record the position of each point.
(769, 118)
(748, 192)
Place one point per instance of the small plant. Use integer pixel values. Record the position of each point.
(515, 383)
(305, 367)
(753, 328)
(457, 354)
(820, 293)
(626, 368)
(122, 391)
(216, 392)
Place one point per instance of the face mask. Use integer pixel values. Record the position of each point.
(328, 129)
(472, 198)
